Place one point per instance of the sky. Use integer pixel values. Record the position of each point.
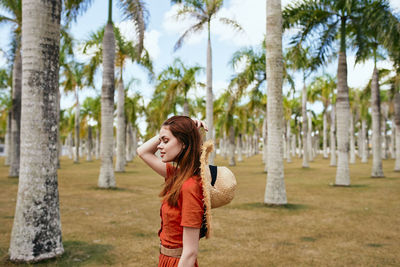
(163, 31)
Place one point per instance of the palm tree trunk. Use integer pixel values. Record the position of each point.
(134, 141)
(240, 148)
(293, 144)
(265, 142)
(186, 108)
(121, 137)
(232, 161)
(7, 140)
(106, 177)
(275, 191)
(89, 147)
(364, 157)
(325, 135)
(397, 124)
(377, 170)
(288, 139)
(129, 142)
(209, 95)
(352, 145)
(299, 145)
(393, 140)
(70, 146)
(16, 116)
(77, 137)
(309, 139)
(343, 112)
(305, 126)
(333, 136)
(384, 116)
(97, 146)
(36, 232)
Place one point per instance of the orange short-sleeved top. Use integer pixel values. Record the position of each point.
(189, 212)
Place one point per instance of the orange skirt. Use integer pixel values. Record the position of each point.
(165, 261)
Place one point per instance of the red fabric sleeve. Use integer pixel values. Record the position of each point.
(192, 204)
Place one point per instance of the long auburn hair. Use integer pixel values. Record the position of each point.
(187, 161)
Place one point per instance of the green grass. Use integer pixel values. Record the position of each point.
(322, 224)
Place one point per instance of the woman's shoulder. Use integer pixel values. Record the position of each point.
(192, 184)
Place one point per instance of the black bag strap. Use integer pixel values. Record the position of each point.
(213, 171)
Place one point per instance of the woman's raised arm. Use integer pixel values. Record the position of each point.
(147, 153)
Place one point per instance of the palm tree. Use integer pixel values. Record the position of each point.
(36, 233)
(14, 9)
(203, 12)
(275, 192)
(91, 107)
(326, 20)
(133, 109)
(6, 103)
(321, 88)
(134, 10)
(125, 51)
(74, 81)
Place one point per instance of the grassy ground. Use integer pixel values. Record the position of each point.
(322, 225)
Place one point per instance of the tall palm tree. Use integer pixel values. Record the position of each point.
(36, 232)
(326, 20)
(275, 191)
(125, 51)
(203, 12)
(13, 8)
(135, 11)
(321, 89)
(6, 104)
(299, 59)
(74, 81)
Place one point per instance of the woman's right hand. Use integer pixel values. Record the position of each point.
(200, 124)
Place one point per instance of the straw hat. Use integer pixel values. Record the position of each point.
(219, 185)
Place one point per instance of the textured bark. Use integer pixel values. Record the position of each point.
(288, 139)
(232, 161)
(377, 170)
(384, 115)
(275, 191)
(7, 141)
(299, 145)
(397, 123)
(36, 232)
(305, 127)
(76, 127)
(364, 157)
(134, 141)
(106, 177)
(352, 145)
(325, 135)
(342, 112)
(209, 96)
(89, 144)
(121, 129)
(16, 116)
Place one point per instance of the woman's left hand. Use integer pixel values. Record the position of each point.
(200, 124)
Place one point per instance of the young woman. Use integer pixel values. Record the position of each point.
(182, 208)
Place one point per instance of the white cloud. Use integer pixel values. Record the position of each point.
(128, 31)
(251, 18)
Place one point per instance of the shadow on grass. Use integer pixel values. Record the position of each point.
(259, 205)
(76, 253)
(375, 245)
(117, 189)
(350, 186)
(9, 180)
